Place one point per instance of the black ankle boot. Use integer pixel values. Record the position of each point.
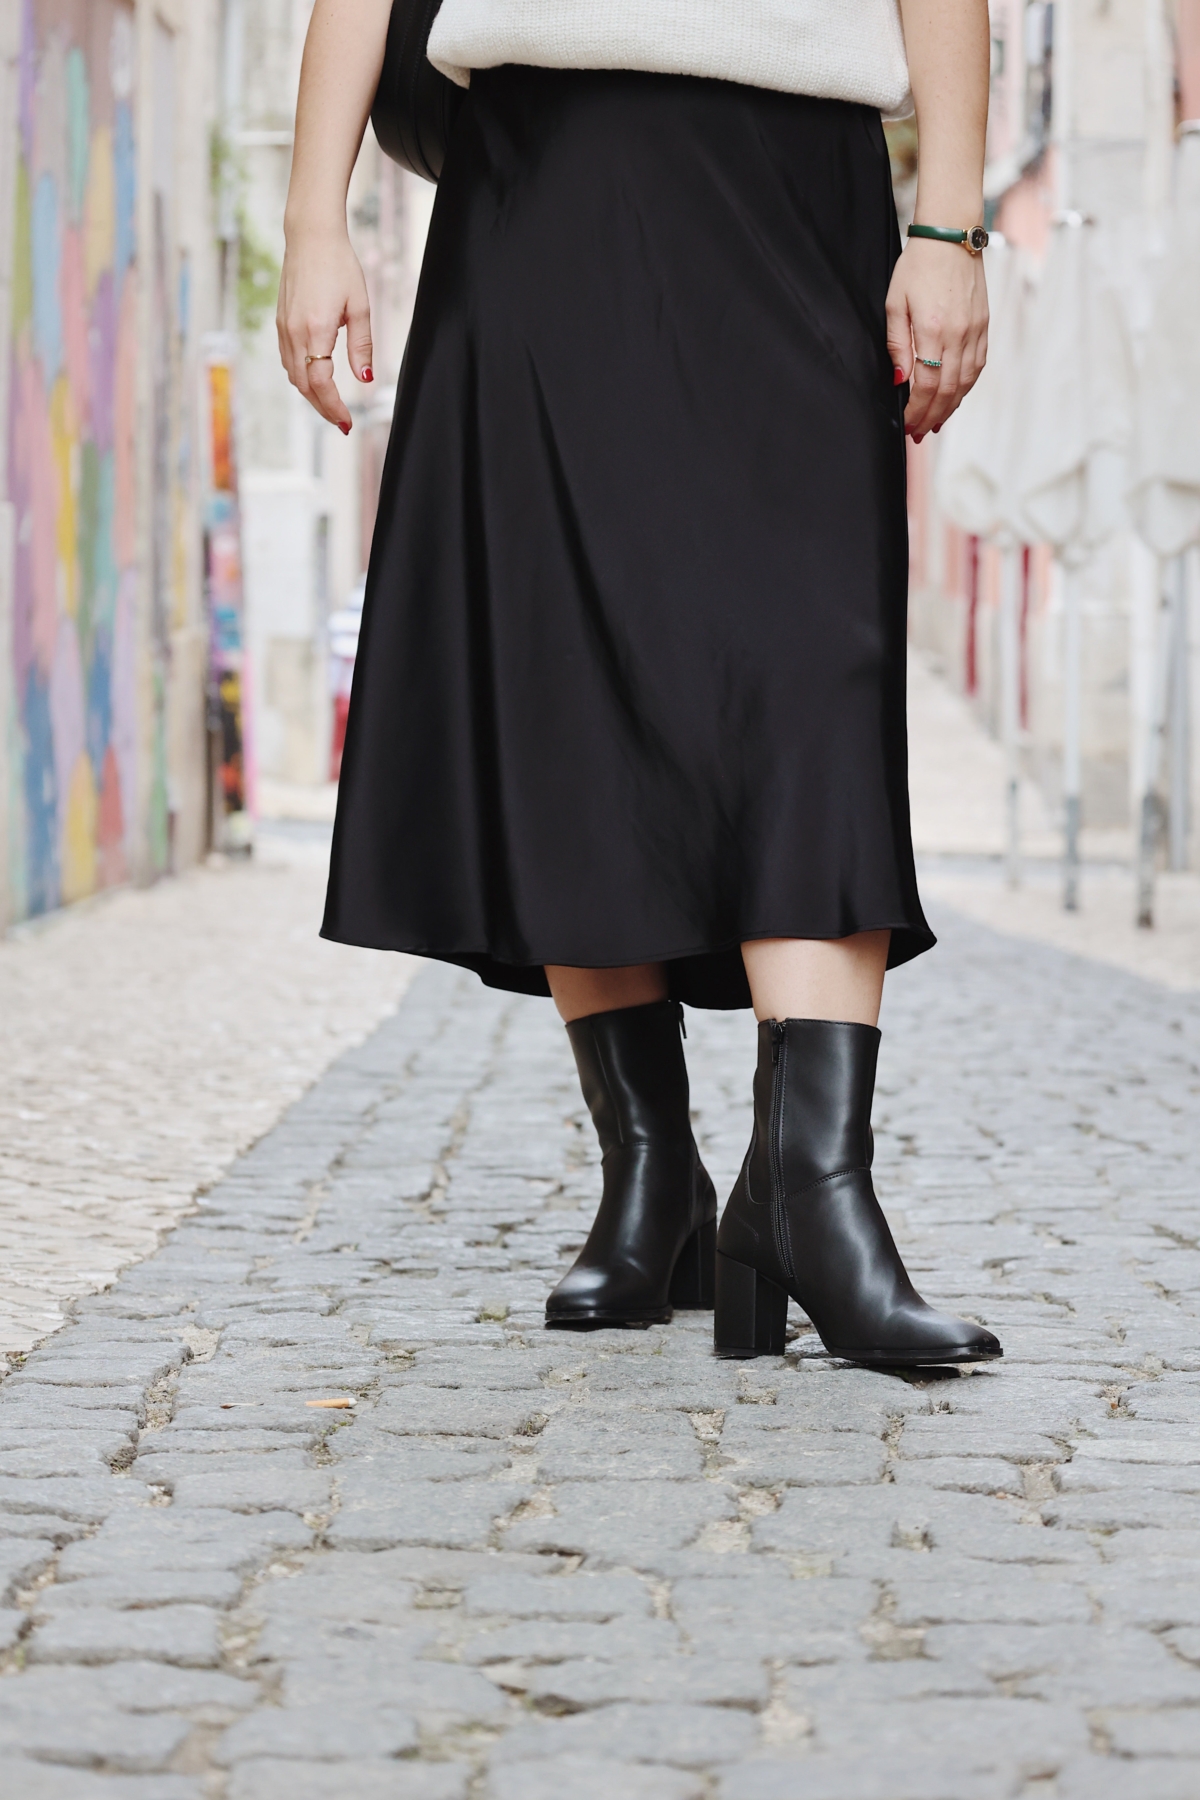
(651, 1247)
(803, 1218)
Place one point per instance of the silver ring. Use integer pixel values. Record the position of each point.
(930, 362)
(328, 357)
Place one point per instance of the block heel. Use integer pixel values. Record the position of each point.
(751, 1312)
(693, 1282)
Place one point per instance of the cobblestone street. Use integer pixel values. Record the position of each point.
(526, 1565)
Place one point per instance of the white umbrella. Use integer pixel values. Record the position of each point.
(1070, 451)
(974, 489)
(1164, 500)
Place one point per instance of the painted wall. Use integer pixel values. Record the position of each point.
(101, 683)
(72, 452)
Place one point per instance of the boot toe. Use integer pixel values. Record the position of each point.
(925, 1339)
(597, 1296)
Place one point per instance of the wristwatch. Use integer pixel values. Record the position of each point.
(974, 240)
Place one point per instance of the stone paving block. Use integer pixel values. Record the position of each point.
(260, 1415)
(1115, 1778)
(264, 1779)
(961, 1474)
(150, 1687)
(919, 1776)
(980, 1733)
(21, 1559)
(140, 1588)
(616, 1522)
(160, 1538)
(591, 1778)
(691, 1737)
(374, 1515)
(12, 1624)
(1158, 1731)
(41, 1526)
(578, 1596)
(636, 1446)
(286, 1637)
(43, 1781)
(763, 1615)
(972, 1596)
(85, 1500)
(410, 1409)
(341, 1585)
(366, 1663)
(1107, 1667)
(411, 1459)
(87, 1736)
(186, 1635)
(1139, 1507)
(320, 1733)
(557, 1640)
(35, 1462)
(788, 1458)
(727, 1680)
(265, 1489)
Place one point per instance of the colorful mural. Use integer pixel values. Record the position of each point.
(73, 478)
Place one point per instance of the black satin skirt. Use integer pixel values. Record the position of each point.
(631, 680)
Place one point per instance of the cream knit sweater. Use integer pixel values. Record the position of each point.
(841, 49)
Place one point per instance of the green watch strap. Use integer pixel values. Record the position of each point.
(941, 232)
(973, 240)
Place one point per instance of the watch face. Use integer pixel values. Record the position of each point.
(978, 238)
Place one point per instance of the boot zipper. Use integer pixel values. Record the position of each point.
(777, 1211)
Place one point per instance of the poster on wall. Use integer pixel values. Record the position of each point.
(228, 681)
(84, 786)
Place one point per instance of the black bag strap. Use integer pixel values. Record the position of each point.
(415, 106)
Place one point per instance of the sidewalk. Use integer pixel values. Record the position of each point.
(524, 1566)
(958, 783)
(515, 1565)
(149, 1037)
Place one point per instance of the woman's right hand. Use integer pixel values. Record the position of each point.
(322, 288)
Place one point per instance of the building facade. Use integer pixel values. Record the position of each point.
(109, 282)
(308, 494)
(1088, 104)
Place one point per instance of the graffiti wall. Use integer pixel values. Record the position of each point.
(72, 457)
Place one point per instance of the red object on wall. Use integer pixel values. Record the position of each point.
(341, 712)
(972, 671)
(1187, 40)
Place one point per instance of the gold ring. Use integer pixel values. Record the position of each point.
(328, 357)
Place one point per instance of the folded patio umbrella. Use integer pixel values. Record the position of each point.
(1070, 451)
(973, 483)
(1164, 502)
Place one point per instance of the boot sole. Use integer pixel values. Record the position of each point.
(609, 1321)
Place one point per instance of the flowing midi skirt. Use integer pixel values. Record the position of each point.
(631, 679)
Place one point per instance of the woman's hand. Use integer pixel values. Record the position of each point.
(321, 289)
(322, 286)
(937, 308)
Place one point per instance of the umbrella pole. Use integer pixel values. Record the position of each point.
(1072, 732)
(1178, 802)
(1150, 820)
(1010, 704)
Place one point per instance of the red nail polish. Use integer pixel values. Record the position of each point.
(898, 377)
(345, 430)
(367, 375)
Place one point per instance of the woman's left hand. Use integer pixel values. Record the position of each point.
(937, 308)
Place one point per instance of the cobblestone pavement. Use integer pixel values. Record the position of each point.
(528, 1566)
(148, 1038)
